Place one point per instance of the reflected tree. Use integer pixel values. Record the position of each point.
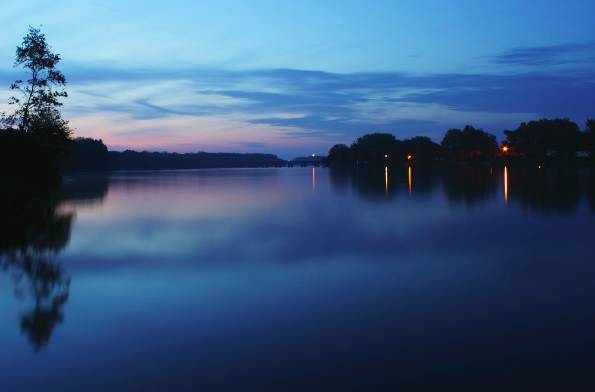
(555, 189)
(34, 229)
(384, 183)
(589, 140)
(49, 286)
(591, 188)
(32, 232)
(470, 185)
(539, 189)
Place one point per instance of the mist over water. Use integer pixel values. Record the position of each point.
(300, 279)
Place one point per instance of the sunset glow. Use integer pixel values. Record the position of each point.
(196, 76)
(193, 196)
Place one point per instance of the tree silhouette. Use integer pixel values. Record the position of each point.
(340, 154)
(422, 149)
(37, 99)
(470, 144)
(86, 154)
(375, 148)
(538, 140)
(35, 137)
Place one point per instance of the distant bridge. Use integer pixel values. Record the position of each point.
(313, 160)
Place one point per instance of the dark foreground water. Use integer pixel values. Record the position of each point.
(301, 279)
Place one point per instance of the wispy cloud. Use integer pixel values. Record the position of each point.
(285, 110)
(562, 54)
(322, 107)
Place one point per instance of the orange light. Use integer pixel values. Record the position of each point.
(386, 179)
(506, 184)
(505, 149)
(409, 157)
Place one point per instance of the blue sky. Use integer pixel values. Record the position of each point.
(296, 77)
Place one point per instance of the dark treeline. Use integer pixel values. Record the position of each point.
(533, 142)
(92, 155)
(36, 143)
(133, 160)
(385, 148)
(31, 155)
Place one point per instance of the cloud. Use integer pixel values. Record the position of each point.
(285, 110)
(570, 53)
(537, 94)
(322, 107)
(321, 125)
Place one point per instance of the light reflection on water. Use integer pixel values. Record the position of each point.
(505, 176)
(386, 179)
(306, 278)
(410, 178)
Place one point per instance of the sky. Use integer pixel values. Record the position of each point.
(295, 77)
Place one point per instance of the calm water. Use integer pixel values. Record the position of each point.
(301, 279)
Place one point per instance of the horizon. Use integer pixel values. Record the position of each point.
(276, 78)
(437, 233)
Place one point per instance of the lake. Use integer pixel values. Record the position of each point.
(301, 279)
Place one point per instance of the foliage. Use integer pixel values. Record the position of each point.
(145, 160)
(86, 154)
(385, 149)
(37, 99)
(375, 148)
(422, 149)
(339, 154)
(35, 136)
(470, 144)
(538, 140)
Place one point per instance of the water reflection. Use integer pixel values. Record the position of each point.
(34, 229)
(386, 179)
(591, 189)
(188, 276)
(538, 189)
(506, 184)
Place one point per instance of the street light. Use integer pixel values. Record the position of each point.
(505, 149)
(409, 157)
